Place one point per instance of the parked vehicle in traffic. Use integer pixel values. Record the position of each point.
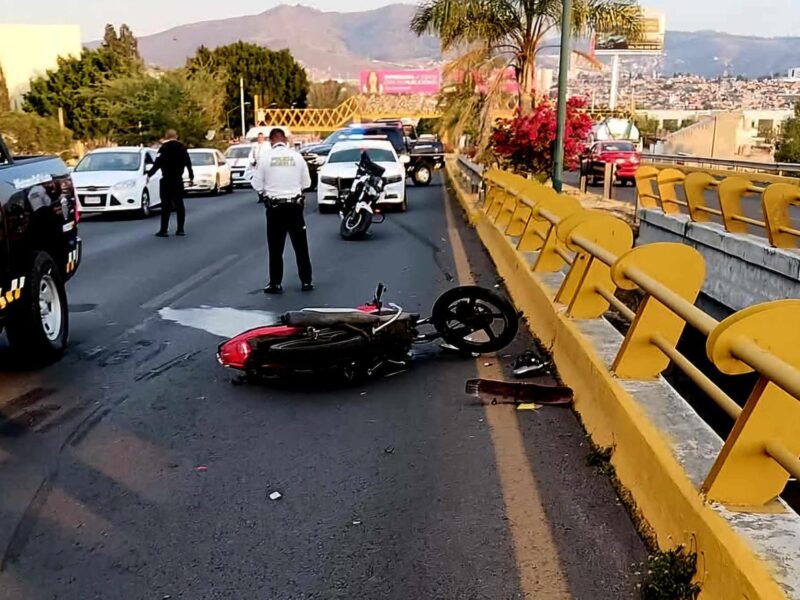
(39, 251)
(242, 171)
(212, 174)
(115, 179)
(340, 172)
(622, 154)
(421, 157)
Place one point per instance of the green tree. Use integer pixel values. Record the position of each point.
(123, 44)
(330, 94)
(32, 134)
(140, 108)
(788, 146)
(274, 76)
(516, 29)
(5, 100)
(75, 83)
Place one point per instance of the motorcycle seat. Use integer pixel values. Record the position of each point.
(332, 318)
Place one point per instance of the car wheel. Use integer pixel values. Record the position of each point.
(423, 175)
(404, 204)
(217, 189)
(145, 211)
(38, 326)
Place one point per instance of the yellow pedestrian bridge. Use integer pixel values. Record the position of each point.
(565, 267)
(364, 108)
(353, 110)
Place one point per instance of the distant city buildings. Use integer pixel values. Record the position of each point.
(27, 51)
(690, 92)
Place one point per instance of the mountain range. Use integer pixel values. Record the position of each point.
(340, 45)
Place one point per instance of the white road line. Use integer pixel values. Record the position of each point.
(183, 288)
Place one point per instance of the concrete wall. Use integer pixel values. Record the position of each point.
(27, 51)
(742, 270)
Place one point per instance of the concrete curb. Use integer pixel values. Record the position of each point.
(645, 459)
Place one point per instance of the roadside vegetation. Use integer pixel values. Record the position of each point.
(109, 96)
(496, 43)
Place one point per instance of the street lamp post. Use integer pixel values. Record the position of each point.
(233, 110)
(241, 102)
(563, 81)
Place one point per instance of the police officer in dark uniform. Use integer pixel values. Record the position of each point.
(172, 160)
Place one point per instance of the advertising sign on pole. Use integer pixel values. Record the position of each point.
(654, 25)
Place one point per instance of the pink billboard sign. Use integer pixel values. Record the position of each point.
(426, 81)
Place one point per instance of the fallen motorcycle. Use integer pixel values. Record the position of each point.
(372, 338)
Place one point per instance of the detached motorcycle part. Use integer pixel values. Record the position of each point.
(475, 319)
(355, 225)
(499, 392)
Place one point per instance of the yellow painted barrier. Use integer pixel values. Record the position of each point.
(761, 453)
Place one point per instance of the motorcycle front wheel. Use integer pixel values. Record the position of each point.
(355, 225)
(474, 319)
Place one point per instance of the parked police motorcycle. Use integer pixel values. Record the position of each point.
(358, 204)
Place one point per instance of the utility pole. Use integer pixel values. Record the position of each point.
(241, 104)
(563, 82)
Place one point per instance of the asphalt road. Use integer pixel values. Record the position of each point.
(135, 469)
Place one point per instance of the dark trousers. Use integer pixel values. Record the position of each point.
(282, 220)
(172, 201)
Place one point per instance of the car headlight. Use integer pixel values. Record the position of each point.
(334, 181)
(126, 185)
(394, 179)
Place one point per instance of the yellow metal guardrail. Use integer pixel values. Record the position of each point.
(659, 187)
(596, 251)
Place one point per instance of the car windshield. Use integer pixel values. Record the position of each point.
(353, 155)
(109, 161)
(337, 136)
(240, 152)
(618, 147)
(202, 159)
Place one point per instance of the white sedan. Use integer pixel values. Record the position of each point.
(211, 172)
(238, 157)
(114, 179)
(340, 170)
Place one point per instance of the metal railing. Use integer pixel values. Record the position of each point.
(701, 162)
(596, 252)
(659, 187)
(356, 108)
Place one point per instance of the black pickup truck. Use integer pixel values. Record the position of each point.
(39, 251)
(422, 156)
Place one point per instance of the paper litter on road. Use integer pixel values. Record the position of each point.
(275, 496)
(528, 407)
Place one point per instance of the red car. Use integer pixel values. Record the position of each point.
(623, 154)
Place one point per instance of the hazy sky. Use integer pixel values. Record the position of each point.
(754, 17)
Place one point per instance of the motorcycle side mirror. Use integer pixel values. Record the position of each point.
(379, 294)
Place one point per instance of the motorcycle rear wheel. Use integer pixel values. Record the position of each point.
(355, 225)
(474, 319)
(326, 345)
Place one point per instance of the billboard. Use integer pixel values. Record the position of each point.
(424, 81)
(654, 25)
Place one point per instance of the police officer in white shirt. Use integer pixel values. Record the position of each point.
(281, 181)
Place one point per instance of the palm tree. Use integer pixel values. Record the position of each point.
(483, 31)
